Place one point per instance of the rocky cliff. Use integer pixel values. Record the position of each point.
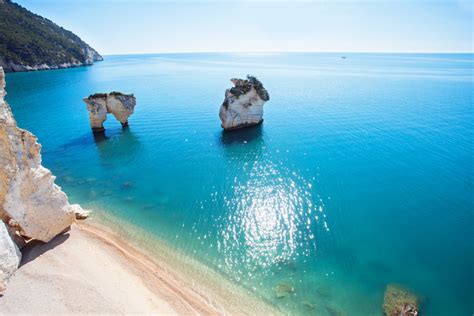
(243, 104)
(10, 256)
(31, 42)
(100, 104)
(32, 206)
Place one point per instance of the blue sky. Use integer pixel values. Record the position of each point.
(147, 26)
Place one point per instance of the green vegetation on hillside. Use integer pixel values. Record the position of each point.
(27, 39)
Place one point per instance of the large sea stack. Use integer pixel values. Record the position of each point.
(32, 206)
(243, 104)
(100, 104)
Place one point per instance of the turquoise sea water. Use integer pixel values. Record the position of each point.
(360, 176)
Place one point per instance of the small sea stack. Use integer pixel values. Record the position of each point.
(100, 104)
(243, 104)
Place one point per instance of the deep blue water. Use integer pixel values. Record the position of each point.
(360, 176)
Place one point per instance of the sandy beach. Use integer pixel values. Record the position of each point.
(90, 270)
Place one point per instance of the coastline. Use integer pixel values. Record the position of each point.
(10, 67)
(127, 280)
(213, 287)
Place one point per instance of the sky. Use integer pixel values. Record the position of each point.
(166, 26)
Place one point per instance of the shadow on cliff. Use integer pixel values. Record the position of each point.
(36, 248)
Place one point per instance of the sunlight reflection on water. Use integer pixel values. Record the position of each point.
(273, 215)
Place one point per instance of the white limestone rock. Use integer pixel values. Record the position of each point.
(28, 194)
(10, 257)
(97, 107)
(100, 104)
(121, 106)
(243, 104)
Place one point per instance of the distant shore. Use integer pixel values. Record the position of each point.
(92, 269)
(10, 67)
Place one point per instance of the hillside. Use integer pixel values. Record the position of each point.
(31, 42)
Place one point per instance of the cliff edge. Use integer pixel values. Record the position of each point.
(32, 206)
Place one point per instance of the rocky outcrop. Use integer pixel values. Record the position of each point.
(100, 104)
(243, 104)
(29, 198)
(79, 212)
(11, 66)
(399, 302)
(10, 257)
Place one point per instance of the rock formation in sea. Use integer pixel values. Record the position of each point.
(100, 104)
(243, 104)
(31, 42)
(400, 302)
(32, 206)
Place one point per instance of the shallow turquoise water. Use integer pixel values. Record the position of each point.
(361, 175)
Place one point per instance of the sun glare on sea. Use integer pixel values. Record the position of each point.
(273, 217)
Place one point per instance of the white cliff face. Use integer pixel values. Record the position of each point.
(243, 104)
(10, 257)
(28, 194)
(99, 105)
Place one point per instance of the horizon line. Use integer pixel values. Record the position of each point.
(295, 51)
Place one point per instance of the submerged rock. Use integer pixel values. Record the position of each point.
(308, 305)
(100, 104)
(243, 104)
(283, 290)
(323, 291)
(399, 302)
(28, 194)
(333, 311)
(10, 257)
(127, 185)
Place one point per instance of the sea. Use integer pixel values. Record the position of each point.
(360, 176)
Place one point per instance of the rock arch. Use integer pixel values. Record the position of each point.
(100, 104)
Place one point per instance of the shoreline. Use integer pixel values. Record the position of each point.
(156, 278)
(216, 289)
(174, 285)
